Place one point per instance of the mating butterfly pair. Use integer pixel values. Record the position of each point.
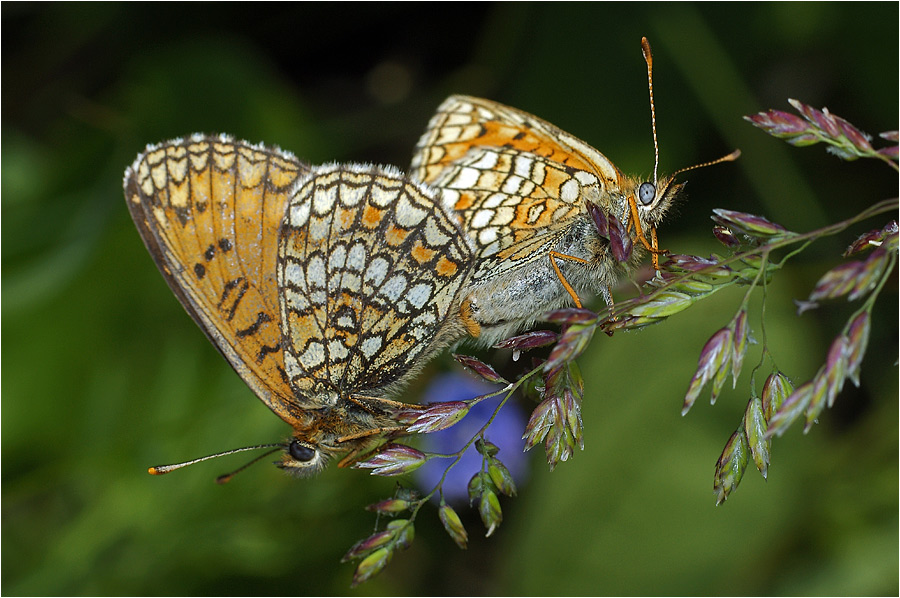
(326, 288)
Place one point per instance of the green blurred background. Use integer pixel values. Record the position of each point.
(105, 374)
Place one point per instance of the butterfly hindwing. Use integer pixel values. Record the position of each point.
(370, 266)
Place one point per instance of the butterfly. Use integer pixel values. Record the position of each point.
(529, 196)
(326, 288)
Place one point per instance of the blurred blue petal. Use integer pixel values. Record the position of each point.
(505, 431)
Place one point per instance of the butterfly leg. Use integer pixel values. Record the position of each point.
(652, 247)
(607, 296)
(554, 255)
(353, 455)
(367, 403)
(655, 251)
(372, 432)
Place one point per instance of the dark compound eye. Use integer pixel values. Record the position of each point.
(301, 452)
(646, 193)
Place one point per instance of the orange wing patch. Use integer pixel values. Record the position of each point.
(208, 210)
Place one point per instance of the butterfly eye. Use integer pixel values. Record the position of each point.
(646, 193)
(301, 452)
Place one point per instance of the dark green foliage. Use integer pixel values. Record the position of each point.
(105, 374)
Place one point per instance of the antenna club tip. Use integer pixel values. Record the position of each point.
(155, 471)
(733, 155)
(224, 478)
(645, 48)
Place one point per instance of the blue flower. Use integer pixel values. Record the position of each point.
(505, 432)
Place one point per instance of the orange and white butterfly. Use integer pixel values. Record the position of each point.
(525, 192)
(326, 288)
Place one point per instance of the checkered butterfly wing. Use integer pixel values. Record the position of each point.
(369, 270)
(516, 180)
(209, 210)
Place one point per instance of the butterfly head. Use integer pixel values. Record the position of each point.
(651, 200)
(639, 206)
(348, 429)
(303, 458)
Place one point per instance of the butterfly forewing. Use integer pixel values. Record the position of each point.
(464, 122)
(209, 210)
(514, 205)
(517, 181)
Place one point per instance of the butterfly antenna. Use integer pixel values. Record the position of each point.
(648, 58)
(226, 477)
(161, 469)
(729, 158)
